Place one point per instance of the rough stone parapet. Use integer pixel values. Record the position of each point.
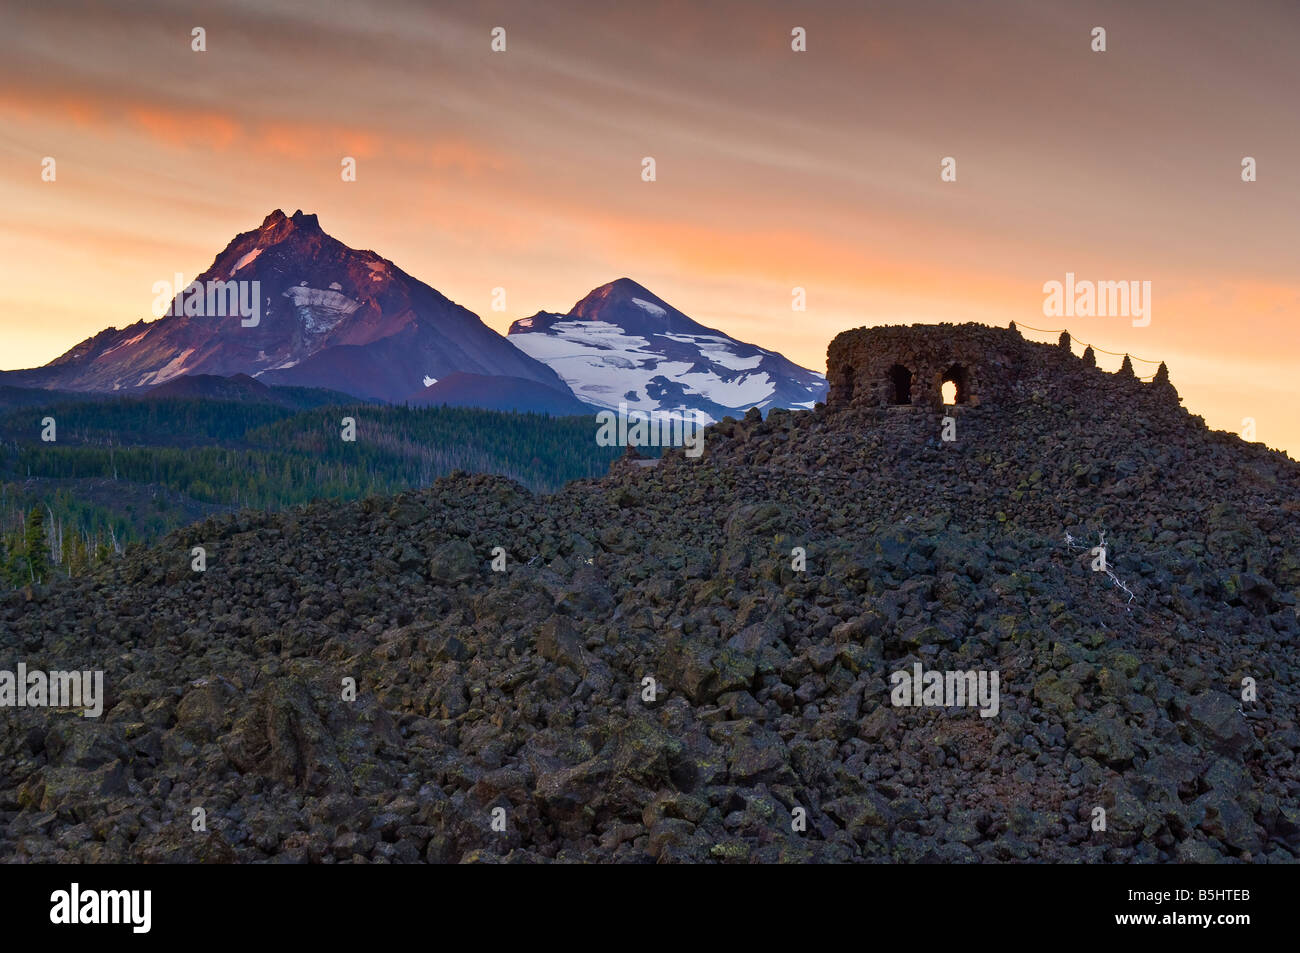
(898, 365)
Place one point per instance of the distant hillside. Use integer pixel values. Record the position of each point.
(498, 393)
(241, 387)
(11, 396)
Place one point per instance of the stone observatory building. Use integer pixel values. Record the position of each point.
(902, 366)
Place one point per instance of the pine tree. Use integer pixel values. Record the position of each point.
(38, 556)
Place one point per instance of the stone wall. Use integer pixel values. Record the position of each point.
(906, 366)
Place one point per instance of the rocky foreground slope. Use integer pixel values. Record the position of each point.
(523, 690)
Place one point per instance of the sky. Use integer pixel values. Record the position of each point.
(775, 169)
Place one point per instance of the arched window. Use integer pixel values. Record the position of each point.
(956, 385)
(900, 379)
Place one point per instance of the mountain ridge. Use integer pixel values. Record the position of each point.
(316, 297)
(358, 324)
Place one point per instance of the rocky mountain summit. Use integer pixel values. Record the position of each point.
(1148, 711)
(289, 304)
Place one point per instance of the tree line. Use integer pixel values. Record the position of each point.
(128, 471)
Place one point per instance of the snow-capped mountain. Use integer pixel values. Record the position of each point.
(622, 344)
(286, 304)
(325, 315)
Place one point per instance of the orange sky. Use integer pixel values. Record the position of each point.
(775, 169)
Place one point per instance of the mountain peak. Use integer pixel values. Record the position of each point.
(620, 288)
(624, 300)
(625, 286)
(283, 224)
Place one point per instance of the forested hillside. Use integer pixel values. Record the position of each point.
(125, 471)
